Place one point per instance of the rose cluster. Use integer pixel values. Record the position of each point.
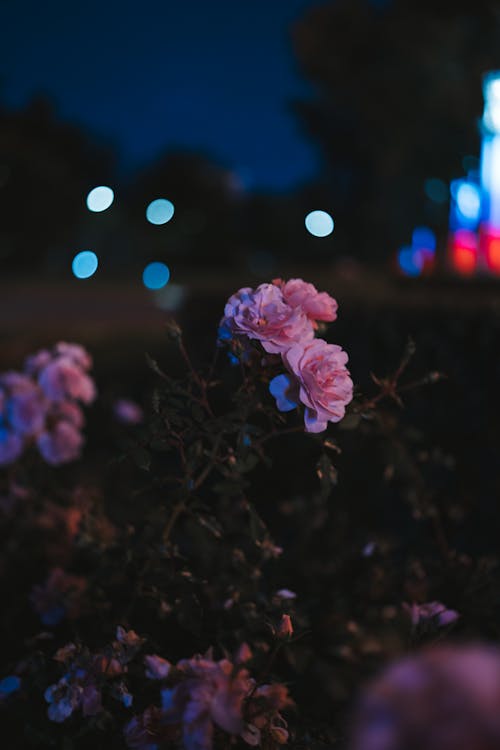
(283, 317)
(199, 696)
(40, 405)
(203, 695)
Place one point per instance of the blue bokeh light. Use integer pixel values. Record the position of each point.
(84, 264)
(436, 190)
(410, 261)
(160, 211)
(100, 198)
(423, 238)
(319, 223)
(156, 275)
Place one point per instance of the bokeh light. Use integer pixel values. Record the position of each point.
(319, 223)
(160, 211)
(410, 261)
(84, 264)
(436, 190)
(491, 92)
(423, 238)
(156, 275)
(468, 198)
(463, 247)
(100, 198)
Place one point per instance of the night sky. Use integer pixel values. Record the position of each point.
(213, 76)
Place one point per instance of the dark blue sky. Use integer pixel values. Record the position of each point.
(211, 75)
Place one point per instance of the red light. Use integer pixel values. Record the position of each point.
(463, 247)
(493, 253)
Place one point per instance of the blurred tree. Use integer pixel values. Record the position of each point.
(47, 167)
(398, 96)
(207, 201)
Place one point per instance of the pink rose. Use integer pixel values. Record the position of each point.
(63, 378)
(76, 353)
(316, 305)
(61, 444)
(263, 314)
(319, 379)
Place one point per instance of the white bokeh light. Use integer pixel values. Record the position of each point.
(84, 264)
(319, 223)
(100, 198)
(160, 211)
(468, 199)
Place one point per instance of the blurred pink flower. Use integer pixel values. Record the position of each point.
(441, 698)
(128, 412)
(316, 305)
(61, 444)
(27, 411)
(211, 693)
(75, 352)
(430, 612)
(324, 383)
(63, 378)
(263, 315)
(156, 667)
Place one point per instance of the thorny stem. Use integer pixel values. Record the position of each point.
(279, 433)
(267, 668)
(196, 377)
(176, 513)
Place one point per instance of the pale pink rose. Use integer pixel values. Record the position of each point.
(63, 378)
(61, 444)
(70, 412)
(76, 353)
(324, 384)
(263, 315)
(301, 294)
